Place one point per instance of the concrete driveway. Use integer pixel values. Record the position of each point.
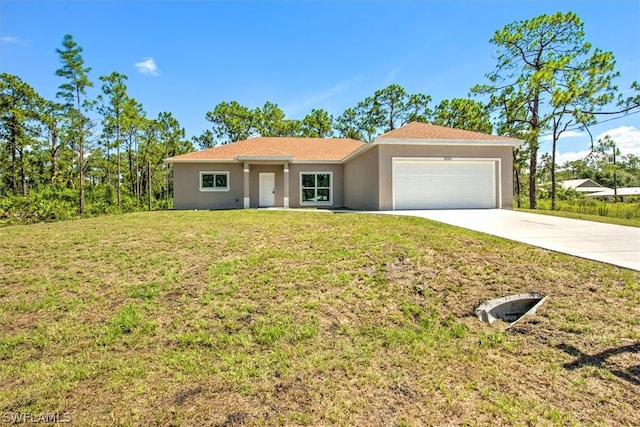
(613, 244)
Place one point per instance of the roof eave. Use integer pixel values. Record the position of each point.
(321, 162)
(176, 160)
(467, 142)
(264, 158)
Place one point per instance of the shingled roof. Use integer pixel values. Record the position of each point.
(317, 149)
(424, 131)
(334, 149)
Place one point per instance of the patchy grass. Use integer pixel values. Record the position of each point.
(627, 213)
(306, 318)
(630, 222)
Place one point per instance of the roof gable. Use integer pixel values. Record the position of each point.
(580, 183)
(428, 132)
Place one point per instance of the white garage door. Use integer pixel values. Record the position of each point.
(444, 184)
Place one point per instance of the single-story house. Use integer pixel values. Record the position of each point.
(417, 166)
(583, 185)
(623, 194)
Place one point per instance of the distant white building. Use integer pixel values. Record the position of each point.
(583, 185)
(623, 193)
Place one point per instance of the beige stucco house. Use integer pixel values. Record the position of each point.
(417, 166)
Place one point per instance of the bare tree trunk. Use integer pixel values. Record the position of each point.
(14, 149)
(553, 173)
(516, 178)
(149, 182)
(23, 173)
(14, 168)
(137, 176)
(54, 155)
(81, 149)
(167, 189)
(108, 162)
(533, 161)
(119, 171)
(131, 173)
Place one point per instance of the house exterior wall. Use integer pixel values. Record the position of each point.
(361, 181)
(364, 182)
(187, 194)
(387, 152)
(337, 172)
(186, 187)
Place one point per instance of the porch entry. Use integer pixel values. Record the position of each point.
(267, 184)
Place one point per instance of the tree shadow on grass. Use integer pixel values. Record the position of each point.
(599, 360)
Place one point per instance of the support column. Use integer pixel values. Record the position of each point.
(286, 186)
(247, 199)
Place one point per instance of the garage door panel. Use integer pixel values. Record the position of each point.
(444, 184)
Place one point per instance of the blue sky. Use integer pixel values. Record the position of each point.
(186, 57)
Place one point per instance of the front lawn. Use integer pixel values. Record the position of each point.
(306, 318)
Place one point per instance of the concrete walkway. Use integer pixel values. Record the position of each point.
(612, 244)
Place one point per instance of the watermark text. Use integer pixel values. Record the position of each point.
(29, 417)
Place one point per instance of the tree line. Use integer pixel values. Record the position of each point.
(386, 110)
(54, 154)
(52, 151)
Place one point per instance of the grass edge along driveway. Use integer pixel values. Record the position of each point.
(611, 243)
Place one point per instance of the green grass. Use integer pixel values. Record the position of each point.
(306, 318)
(592, 210)
(585, 217)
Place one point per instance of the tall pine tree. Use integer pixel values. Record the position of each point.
(73, 92)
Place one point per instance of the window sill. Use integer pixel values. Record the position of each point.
(214, 190)
(316, 203)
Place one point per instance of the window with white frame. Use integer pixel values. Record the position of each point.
(316, 188)
(214, 181)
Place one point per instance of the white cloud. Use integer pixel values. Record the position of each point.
(627, 139)
(14, 40)
(562, 158)
(563, 135)
(147, 66)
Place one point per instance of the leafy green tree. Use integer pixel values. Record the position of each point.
(348, 126)
(578, 169)
(73, 92)
(461, 113)
(52, 117)
(535, 59)
(112, 109)
(19, 104)
(391, 103)
(394, 107)
(631, 164)
(233, 122)
(317, 124)
(418, 108)
(579, 95)
(271, 121)
(133, 123)
(606, 145)
(204, 140)
(386, 110)
(171, 139)
(357, 123)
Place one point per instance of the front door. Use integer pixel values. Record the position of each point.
(267, 189)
